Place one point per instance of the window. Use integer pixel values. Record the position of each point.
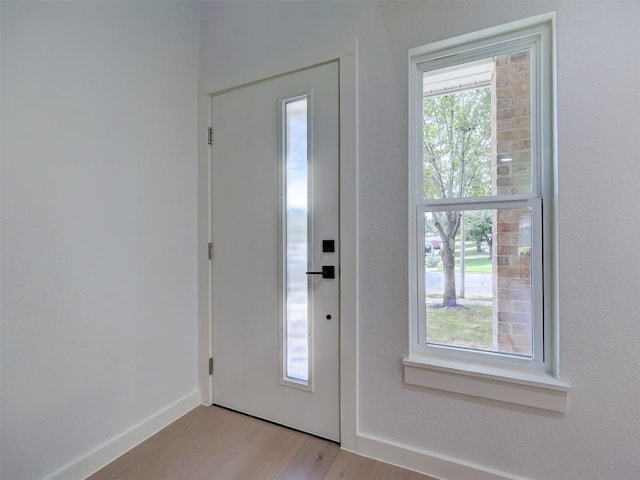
(481, 213)
(296, 352)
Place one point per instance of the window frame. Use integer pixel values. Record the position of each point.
(477, 373)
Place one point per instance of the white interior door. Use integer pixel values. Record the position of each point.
(275, 208)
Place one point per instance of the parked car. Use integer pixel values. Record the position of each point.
(431, 244)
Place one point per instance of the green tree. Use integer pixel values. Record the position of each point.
(456, 163)
(479, 227)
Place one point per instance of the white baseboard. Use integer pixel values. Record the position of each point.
(122, 443)
(437, 466)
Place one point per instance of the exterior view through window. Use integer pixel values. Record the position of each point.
(479, 205)
(483, 299)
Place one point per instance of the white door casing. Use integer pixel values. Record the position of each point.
(247, 219)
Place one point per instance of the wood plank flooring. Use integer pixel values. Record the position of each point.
(212, 443)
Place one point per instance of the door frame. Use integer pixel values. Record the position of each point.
(348, 245)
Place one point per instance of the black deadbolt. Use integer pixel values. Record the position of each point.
(328, 246)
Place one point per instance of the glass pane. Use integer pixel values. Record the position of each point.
(476, 131)
(478, 291)
(296, 240)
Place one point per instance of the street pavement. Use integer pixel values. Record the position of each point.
(476, 284)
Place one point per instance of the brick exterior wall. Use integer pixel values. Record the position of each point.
(512, 323)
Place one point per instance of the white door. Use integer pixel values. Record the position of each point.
(275, 222)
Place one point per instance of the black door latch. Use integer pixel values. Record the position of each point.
(328, 271)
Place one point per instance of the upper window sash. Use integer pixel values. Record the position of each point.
(478, 45)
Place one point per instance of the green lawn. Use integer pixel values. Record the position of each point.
(474, 261)
(476, 264)
(467, 326)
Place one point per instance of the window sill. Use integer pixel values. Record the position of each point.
(537, 390)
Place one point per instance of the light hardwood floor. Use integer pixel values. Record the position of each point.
(212, 443)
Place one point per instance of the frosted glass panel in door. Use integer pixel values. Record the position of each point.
(296, 240)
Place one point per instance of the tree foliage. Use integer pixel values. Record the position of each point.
(479, 226)
(456, 162)
(457, 144)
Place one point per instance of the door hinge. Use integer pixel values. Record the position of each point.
(210, 250)
(211, 366)
(210, 136)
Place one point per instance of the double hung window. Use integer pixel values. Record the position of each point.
(481, 214)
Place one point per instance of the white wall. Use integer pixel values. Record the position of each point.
(99, 327)
(98, 252)
(599, 121)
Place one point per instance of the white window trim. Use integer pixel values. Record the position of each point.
(534, 383)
